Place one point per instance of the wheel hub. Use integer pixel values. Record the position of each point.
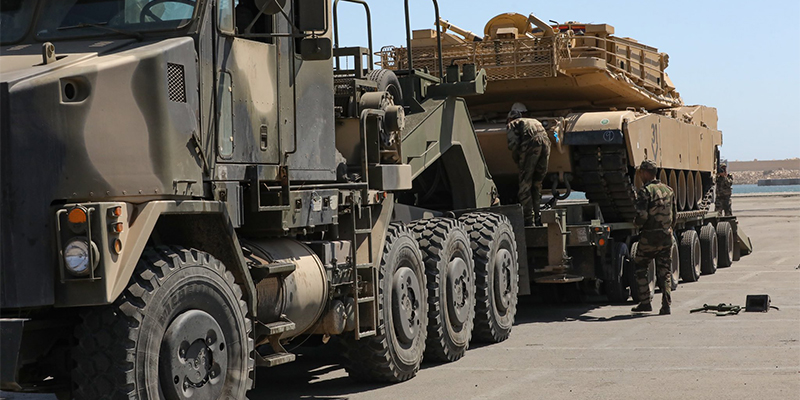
(458, 283)
(192, 360)
(502, 279)
(405, 304)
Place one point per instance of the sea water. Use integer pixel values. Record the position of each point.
(747, 189)
(737, 189)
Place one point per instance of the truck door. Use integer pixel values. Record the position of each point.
(246, 91)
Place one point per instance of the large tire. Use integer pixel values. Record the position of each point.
(651, 277)
(690, 256)
(494, 249)
(617, 289)
(708, 249)
(387, 82)
(725, 243)
(676, 265)
(450, 271)
(182, 307)
(394, 354)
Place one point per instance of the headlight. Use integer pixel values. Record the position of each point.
(76, 257)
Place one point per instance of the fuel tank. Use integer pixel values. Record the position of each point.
(299, 294)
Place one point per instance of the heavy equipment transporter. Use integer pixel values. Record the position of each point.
(188, 186)
(607, 103)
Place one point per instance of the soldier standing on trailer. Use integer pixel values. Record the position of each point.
(656, 214)
(724, 184)
(530, 147)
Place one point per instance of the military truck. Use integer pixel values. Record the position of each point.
(189, 186)
(607, 104)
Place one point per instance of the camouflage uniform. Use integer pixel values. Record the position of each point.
(530, 147)
(656, 214)
(723, 202)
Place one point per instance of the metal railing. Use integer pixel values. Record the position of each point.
(543, 57)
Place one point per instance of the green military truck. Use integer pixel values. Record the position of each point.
(187, 186)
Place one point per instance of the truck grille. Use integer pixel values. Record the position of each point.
(176, 83)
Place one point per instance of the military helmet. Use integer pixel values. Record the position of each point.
(517, 110)
(649, 165)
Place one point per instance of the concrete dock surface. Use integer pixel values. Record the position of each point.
(598, 351)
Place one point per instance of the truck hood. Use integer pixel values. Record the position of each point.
(25, 61)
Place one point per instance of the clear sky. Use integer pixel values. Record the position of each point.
(742, 57)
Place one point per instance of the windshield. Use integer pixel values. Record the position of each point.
(15, 19)
(70, 18)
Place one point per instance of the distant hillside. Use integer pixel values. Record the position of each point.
(736, 166)
(749, 172)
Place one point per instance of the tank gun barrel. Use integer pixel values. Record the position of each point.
(469, 36)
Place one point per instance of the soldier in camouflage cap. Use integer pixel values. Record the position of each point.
(656, 214)
(724, 184)
(530, 147)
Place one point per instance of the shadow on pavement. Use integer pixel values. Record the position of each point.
(306, 378)
(532, 310)
(302, 379)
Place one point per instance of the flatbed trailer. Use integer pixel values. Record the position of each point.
(577, 246)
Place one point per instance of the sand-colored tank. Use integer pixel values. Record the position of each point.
(606, 101)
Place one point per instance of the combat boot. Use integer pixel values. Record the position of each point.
(665, 310)
(643, 307)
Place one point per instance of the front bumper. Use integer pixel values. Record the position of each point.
(11, 332)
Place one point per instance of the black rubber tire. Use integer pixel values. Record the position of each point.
(492, 234)
(651, 277)
(690, 256)
(382, 358)
(118, 346)
(725, 242)
(709, 251)
(387, 82)
(676, 265)
(444, 241)
(617, 289)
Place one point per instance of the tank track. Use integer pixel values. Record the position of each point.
(602, 173)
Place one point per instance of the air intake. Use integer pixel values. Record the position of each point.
(176, 83)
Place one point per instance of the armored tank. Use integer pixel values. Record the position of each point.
(606, 101)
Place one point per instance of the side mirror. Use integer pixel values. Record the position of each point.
(312, 15)
(316, 49)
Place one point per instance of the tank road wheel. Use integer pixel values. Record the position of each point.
(676, 265)
(494, 249)
(682, 193)
(725, 244)
(651, 277)
(451, 286)
(673, 184)
(690, 256)
(709, 251)
(179, 331)
(691, 196)
(616, 287)
(394, 354)
(698, 189)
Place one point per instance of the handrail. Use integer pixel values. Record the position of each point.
(438, 39)
(336, 25)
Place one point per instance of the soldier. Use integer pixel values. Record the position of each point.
(656, 214)
(724, 183)
(530, 148)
